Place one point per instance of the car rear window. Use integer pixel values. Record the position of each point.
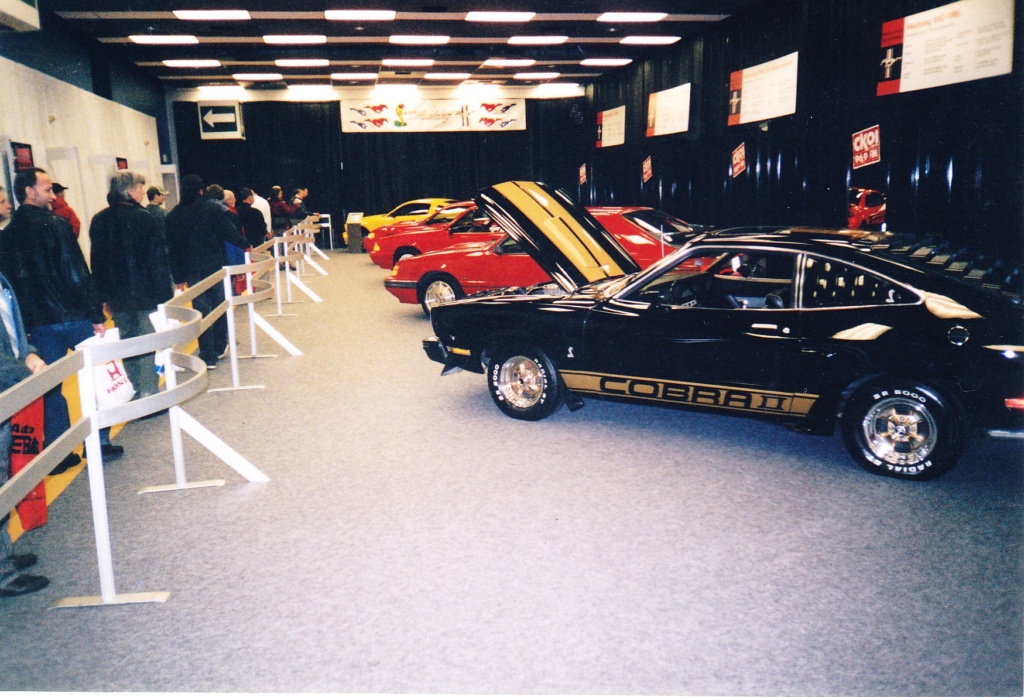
(829, 283)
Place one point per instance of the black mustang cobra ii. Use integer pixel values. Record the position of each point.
(809, 327)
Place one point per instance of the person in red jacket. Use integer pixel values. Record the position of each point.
(281, 211)
(61, 208)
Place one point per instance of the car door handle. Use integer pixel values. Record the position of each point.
(769, 327)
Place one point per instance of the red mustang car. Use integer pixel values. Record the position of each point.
(452, 224)
(448, 274)
(867, 208)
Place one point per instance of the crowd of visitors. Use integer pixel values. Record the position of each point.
(51, 299)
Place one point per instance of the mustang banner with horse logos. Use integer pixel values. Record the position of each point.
(417, 115)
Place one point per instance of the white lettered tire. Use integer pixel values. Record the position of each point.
(904, 430)
(523, 383)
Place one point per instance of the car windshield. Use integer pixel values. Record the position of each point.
(446, 215)
(855, 197)
(660, 225)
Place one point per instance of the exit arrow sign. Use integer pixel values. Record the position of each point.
(220, 120)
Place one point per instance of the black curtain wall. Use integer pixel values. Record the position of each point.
(296, 144)
(289, 144)
(951, 156)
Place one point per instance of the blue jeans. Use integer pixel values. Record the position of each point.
(53, 341)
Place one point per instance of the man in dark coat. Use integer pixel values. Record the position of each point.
(254, 226)
(131, 269)
(196, 232)
(41, 258)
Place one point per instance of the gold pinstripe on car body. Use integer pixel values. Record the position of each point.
(695, 394)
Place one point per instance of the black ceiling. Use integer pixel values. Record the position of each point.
(360, 46)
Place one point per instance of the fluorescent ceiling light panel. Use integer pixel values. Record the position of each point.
(419, 40)
(649, 40)
(353, 76)
(606, 62)
(164, 39)
(196, 63)
(258, 77)
(360, 15)
(499, 16)
(302, 62)
(509, 62)
(212, 15)
(536, 76)
(311, 88)
(537, 40)
(295, 39)
(408, 62)
(446, 76)
(632, 17)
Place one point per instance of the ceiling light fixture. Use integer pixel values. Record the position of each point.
(536, 76)
(196, 63)
(509, 62)
(418, 40)
(302, 62)
(606, 62)
(258, 77)
(211, 15)
(446, 76)
(408, 62)
(295, 39)
(164, 39)
(537, 40)
(649, 40)
(360, 15)
(500, 16)
(353, 76)
(311, 88)
(632, 17)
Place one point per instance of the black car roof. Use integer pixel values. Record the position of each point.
(853, 246)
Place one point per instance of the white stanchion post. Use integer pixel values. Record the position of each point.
(315, 265)
(251, 308)
(235, 385)
(277, 279)
(98, 496)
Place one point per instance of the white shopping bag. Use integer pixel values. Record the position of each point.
(113, 387)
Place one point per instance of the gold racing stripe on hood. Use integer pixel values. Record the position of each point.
(561, 228)
(945, 307)
(869, 331)
(1006, 347)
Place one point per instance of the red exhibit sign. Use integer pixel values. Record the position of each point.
(648, 169)
(583, 174)
(867, 147)
(739, 160)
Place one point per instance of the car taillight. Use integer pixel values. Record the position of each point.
(1015, 403)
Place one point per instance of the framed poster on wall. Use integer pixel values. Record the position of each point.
(21, 157)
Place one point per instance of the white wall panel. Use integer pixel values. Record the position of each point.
(75, 136)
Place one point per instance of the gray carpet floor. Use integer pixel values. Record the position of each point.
(413, 539)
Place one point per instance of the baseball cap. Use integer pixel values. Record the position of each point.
(59, 188)
(155, 191)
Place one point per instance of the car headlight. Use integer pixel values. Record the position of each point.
(370, 236)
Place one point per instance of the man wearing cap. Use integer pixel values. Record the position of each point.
(62, 209)
(156, 204)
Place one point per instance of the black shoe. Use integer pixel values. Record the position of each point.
(67, 463)
(111, 451)
(22, 584)
(23, 561)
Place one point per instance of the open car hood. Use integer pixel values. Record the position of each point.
(561, 236)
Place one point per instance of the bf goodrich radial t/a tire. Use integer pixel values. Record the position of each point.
(523, 383)
(435, 289)
(903, 430)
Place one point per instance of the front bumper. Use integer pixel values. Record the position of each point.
(451, 358)
(405, 291)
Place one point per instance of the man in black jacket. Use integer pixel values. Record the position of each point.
(196, 232)
(41, 258)
(130, 267)
(254, 226)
